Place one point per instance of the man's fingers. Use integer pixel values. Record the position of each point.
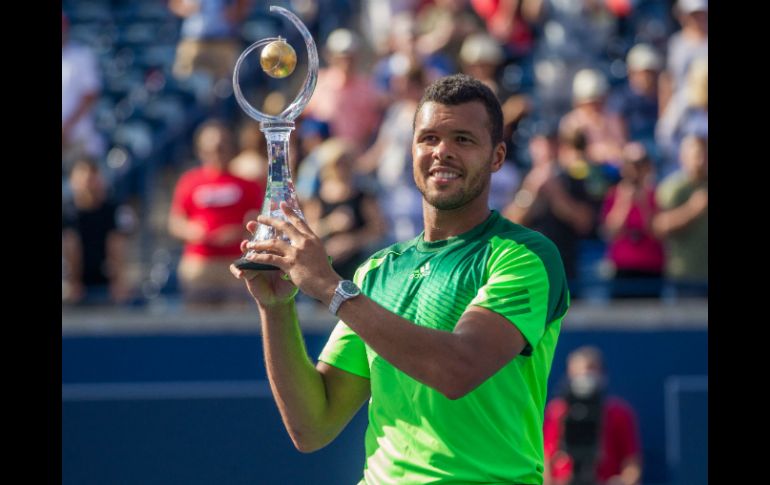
(283, 226)
(251, 226)
(296, 220)
(275, 246)
(271, 259)
(235, 271)
(241, 274)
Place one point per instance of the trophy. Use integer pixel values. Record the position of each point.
(278, 60)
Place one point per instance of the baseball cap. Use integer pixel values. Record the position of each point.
(689, 6)
(588, 85)
(642, 57)
(342, 42)
(481, 48)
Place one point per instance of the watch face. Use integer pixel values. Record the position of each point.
(349, 287)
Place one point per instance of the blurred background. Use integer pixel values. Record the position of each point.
(606, 122)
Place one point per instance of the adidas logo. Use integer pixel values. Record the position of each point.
(420, 273)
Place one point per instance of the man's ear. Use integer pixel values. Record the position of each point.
(498, 156)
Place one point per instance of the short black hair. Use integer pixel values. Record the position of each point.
(459, 89)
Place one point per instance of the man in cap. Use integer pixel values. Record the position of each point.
(345, 98)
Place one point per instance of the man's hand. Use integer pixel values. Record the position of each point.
(537, 178)
(304, 260)
(269, 288)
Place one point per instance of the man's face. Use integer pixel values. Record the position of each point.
(645, 81)
(585, 376)
(86, 179)
(453, 154)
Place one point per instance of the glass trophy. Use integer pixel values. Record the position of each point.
(277, 60)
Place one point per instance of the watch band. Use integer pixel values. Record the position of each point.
(345, 290)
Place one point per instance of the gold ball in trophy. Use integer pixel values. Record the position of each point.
(278, 59)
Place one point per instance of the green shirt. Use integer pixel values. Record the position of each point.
(494, 434)
(687, 249)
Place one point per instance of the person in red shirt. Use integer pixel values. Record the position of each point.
(208, 211)
(590, 438)
(634, 250)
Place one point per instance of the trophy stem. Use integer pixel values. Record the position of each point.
(280, 187)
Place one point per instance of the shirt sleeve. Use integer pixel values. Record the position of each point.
(180, 201)
(345, 350)
(517, 288)
(625, 434)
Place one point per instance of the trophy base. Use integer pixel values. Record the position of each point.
(244, 264)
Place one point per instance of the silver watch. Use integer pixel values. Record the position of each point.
(345, 290)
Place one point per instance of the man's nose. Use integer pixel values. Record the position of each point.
(442, 150)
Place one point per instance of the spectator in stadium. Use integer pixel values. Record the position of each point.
(511, 22)
(637, 100)
(344, 215)
(682, 222)
(251, 161)
(684, 46)
(591, 437)
(686, 114)
(209, 40)
(80, 91)
(95, 231)
(633, 249)
(605, 132)
(481, 56)
(403, 51)
(443, 25)
(344, 97)
(554, 201)
(208, 210)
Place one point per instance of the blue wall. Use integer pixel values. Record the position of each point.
(240, 439)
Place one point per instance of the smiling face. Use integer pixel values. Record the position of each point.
(453, 154)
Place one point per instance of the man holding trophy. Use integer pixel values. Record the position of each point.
(450, 336)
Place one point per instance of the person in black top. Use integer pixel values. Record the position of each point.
(554, 197)
(94, 238)
(344, 215)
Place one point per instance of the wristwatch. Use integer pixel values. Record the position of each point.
(345, 290)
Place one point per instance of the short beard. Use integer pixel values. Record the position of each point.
(461, 198)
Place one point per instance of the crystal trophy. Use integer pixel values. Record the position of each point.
(277, 60)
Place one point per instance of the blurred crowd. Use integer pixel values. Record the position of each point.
(606, 121)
